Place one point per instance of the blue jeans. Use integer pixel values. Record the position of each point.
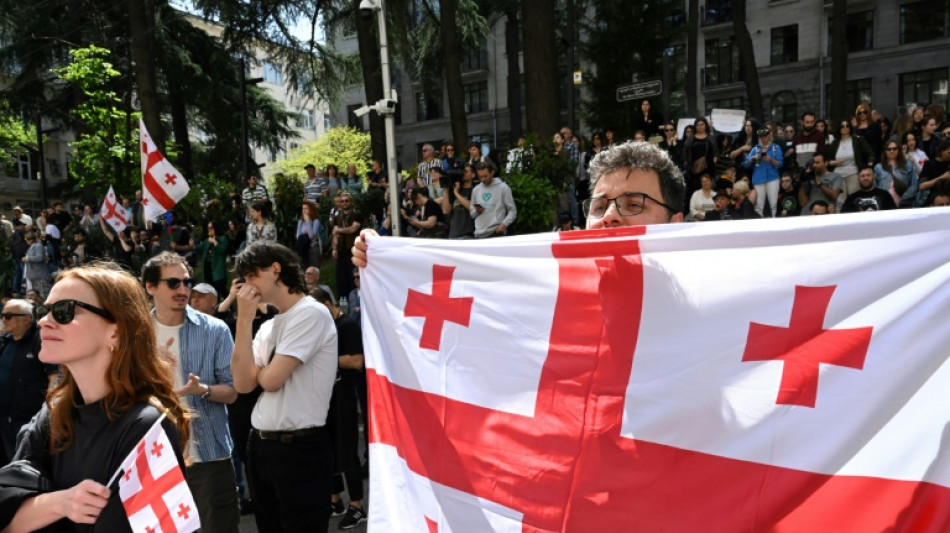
(18, 278)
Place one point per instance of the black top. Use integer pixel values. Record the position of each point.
(98, 450)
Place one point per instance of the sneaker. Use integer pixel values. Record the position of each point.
(354, 517)
(337, 509)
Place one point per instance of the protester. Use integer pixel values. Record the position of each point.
(213, 256)
(493, 207)
(293, 358)
(261, 228)
(113, 388)
(765, 160)
(868, 197)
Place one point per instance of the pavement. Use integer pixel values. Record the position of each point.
(248, 526)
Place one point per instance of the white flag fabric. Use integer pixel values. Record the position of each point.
(153, 488)
(113, 212)
(764, 375)
(162, 185)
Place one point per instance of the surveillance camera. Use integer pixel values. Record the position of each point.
(362, 111)
(390, 105)
(367, 7)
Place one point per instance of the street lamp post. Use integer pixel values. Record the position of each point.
(386, 107)
(244, 135)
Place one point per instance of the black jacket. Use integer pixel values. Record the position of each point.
(30, 381)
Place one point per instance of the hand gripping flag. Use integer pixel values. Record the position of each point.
(113, 212)
(766, 375)
(153, 488)
(162, 185)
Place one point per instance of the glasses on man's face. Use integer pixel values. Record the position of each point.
(862, 112)
(890, 149)
(10, 316)
(628, 204)
(174, 283)
(63, 311)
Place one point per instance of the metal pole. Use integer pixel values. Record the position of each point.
(389, 122)
(41, 157)
(667, 83)
(244, 165)
(570, 66)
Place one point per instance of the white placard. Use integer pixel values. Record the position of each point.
(728, 120)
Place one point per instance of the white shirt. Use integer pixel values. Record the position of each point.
(162, 334)
(305, 332)
(846, 156)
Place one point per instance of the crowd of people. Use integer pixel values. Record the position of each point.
(261, 370)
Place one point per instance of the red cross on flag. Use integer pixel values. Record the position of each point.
(764, 375)
(113, 212)
(153, 488)
(162, 185)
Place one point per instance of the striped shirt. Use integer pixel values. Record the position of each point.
(314, 189)
(205, 351)
(425, 167)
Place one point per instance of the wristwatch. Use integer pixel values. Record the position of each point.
(206, 394)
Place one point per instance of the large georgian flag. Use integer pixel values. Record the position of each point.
(162, 185)
(769, 375)
(153, 489)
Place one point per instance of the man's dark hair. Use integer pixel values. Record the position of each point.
(944, 144)
(152, 269)
(821, 155)
(263, 206)
(419, 191)
(321, 296)
(263, 254)
(79, 231)
(486, 165)
(820, 203)
(809, 113)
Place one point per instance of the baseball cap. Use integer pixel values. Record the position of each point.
(204, 288)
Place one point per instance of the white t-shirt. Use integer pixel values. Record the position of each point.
(846, 156)
(162, 334)
(305, 332)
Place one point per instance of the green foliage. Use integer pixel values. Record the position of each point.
(537, 186)
(104, 143)
(287, 194)
(339, 146)
(15, 136)
(612, 57)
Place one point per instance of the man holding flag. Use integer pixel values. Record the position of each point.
(671, 402)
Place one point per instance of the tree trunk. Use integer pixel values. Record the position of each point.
(142, 38)
(540, 66)
(692, 59)
(839, 61)
(372, 79)
(748, 70)
(180, 128)
(512, 37)
(452, 57)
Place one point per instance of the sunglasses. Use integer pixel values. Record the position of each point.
(64, 311)
(890, 149)
(9, 316)
(174, 283)
(862, 112)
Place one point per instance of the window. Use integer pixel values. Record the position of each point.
(860, 31)
(722, 62)
(326, 123)
(784, 108)
(53, 166)
(717, 12)
(305, 119)
(272, 73)
(25, 167)
(925, 87)
(855, 92)
(427, 107)
(785, 45)
(475, 58)
(925, 21)
(724, 103)
(476, 97)
(352, 120)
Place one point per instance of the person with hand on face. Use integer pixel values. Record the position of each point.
(293, 357)
(199, 347)
(457, 204)
(113, 387)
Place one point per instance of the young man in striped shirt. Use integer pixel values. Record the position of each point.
(199, 348)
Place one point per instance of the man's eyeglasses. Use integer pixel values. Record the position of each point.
(890, 149)
(9, 316)
(64, 311)
(862, 112)
(174, 283)
(628, 204)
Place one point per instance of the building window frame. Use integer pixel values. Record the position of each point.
(924, 20)
(936, 81)
(784, 45)
(476, 96)
(860, 31)
(271, 72)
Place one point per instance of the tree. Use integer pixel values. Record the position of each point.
(452, 59)
(16, 137)
(692, 59)
(615, 58)
(103, 142)
(340, 146)
(750, 74)
(540, 66)
(512, 52)
(839, 60)
(366, 35)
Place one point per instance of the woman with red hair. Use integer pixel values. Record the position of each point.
(113, 387)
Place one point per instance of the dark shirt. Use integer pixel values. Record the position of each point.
(873, 200)
(788, 203)
(27, 383)
(461, 223)
(99, 447)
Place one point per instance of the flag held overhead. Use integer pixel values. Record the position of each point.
(162, 185)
